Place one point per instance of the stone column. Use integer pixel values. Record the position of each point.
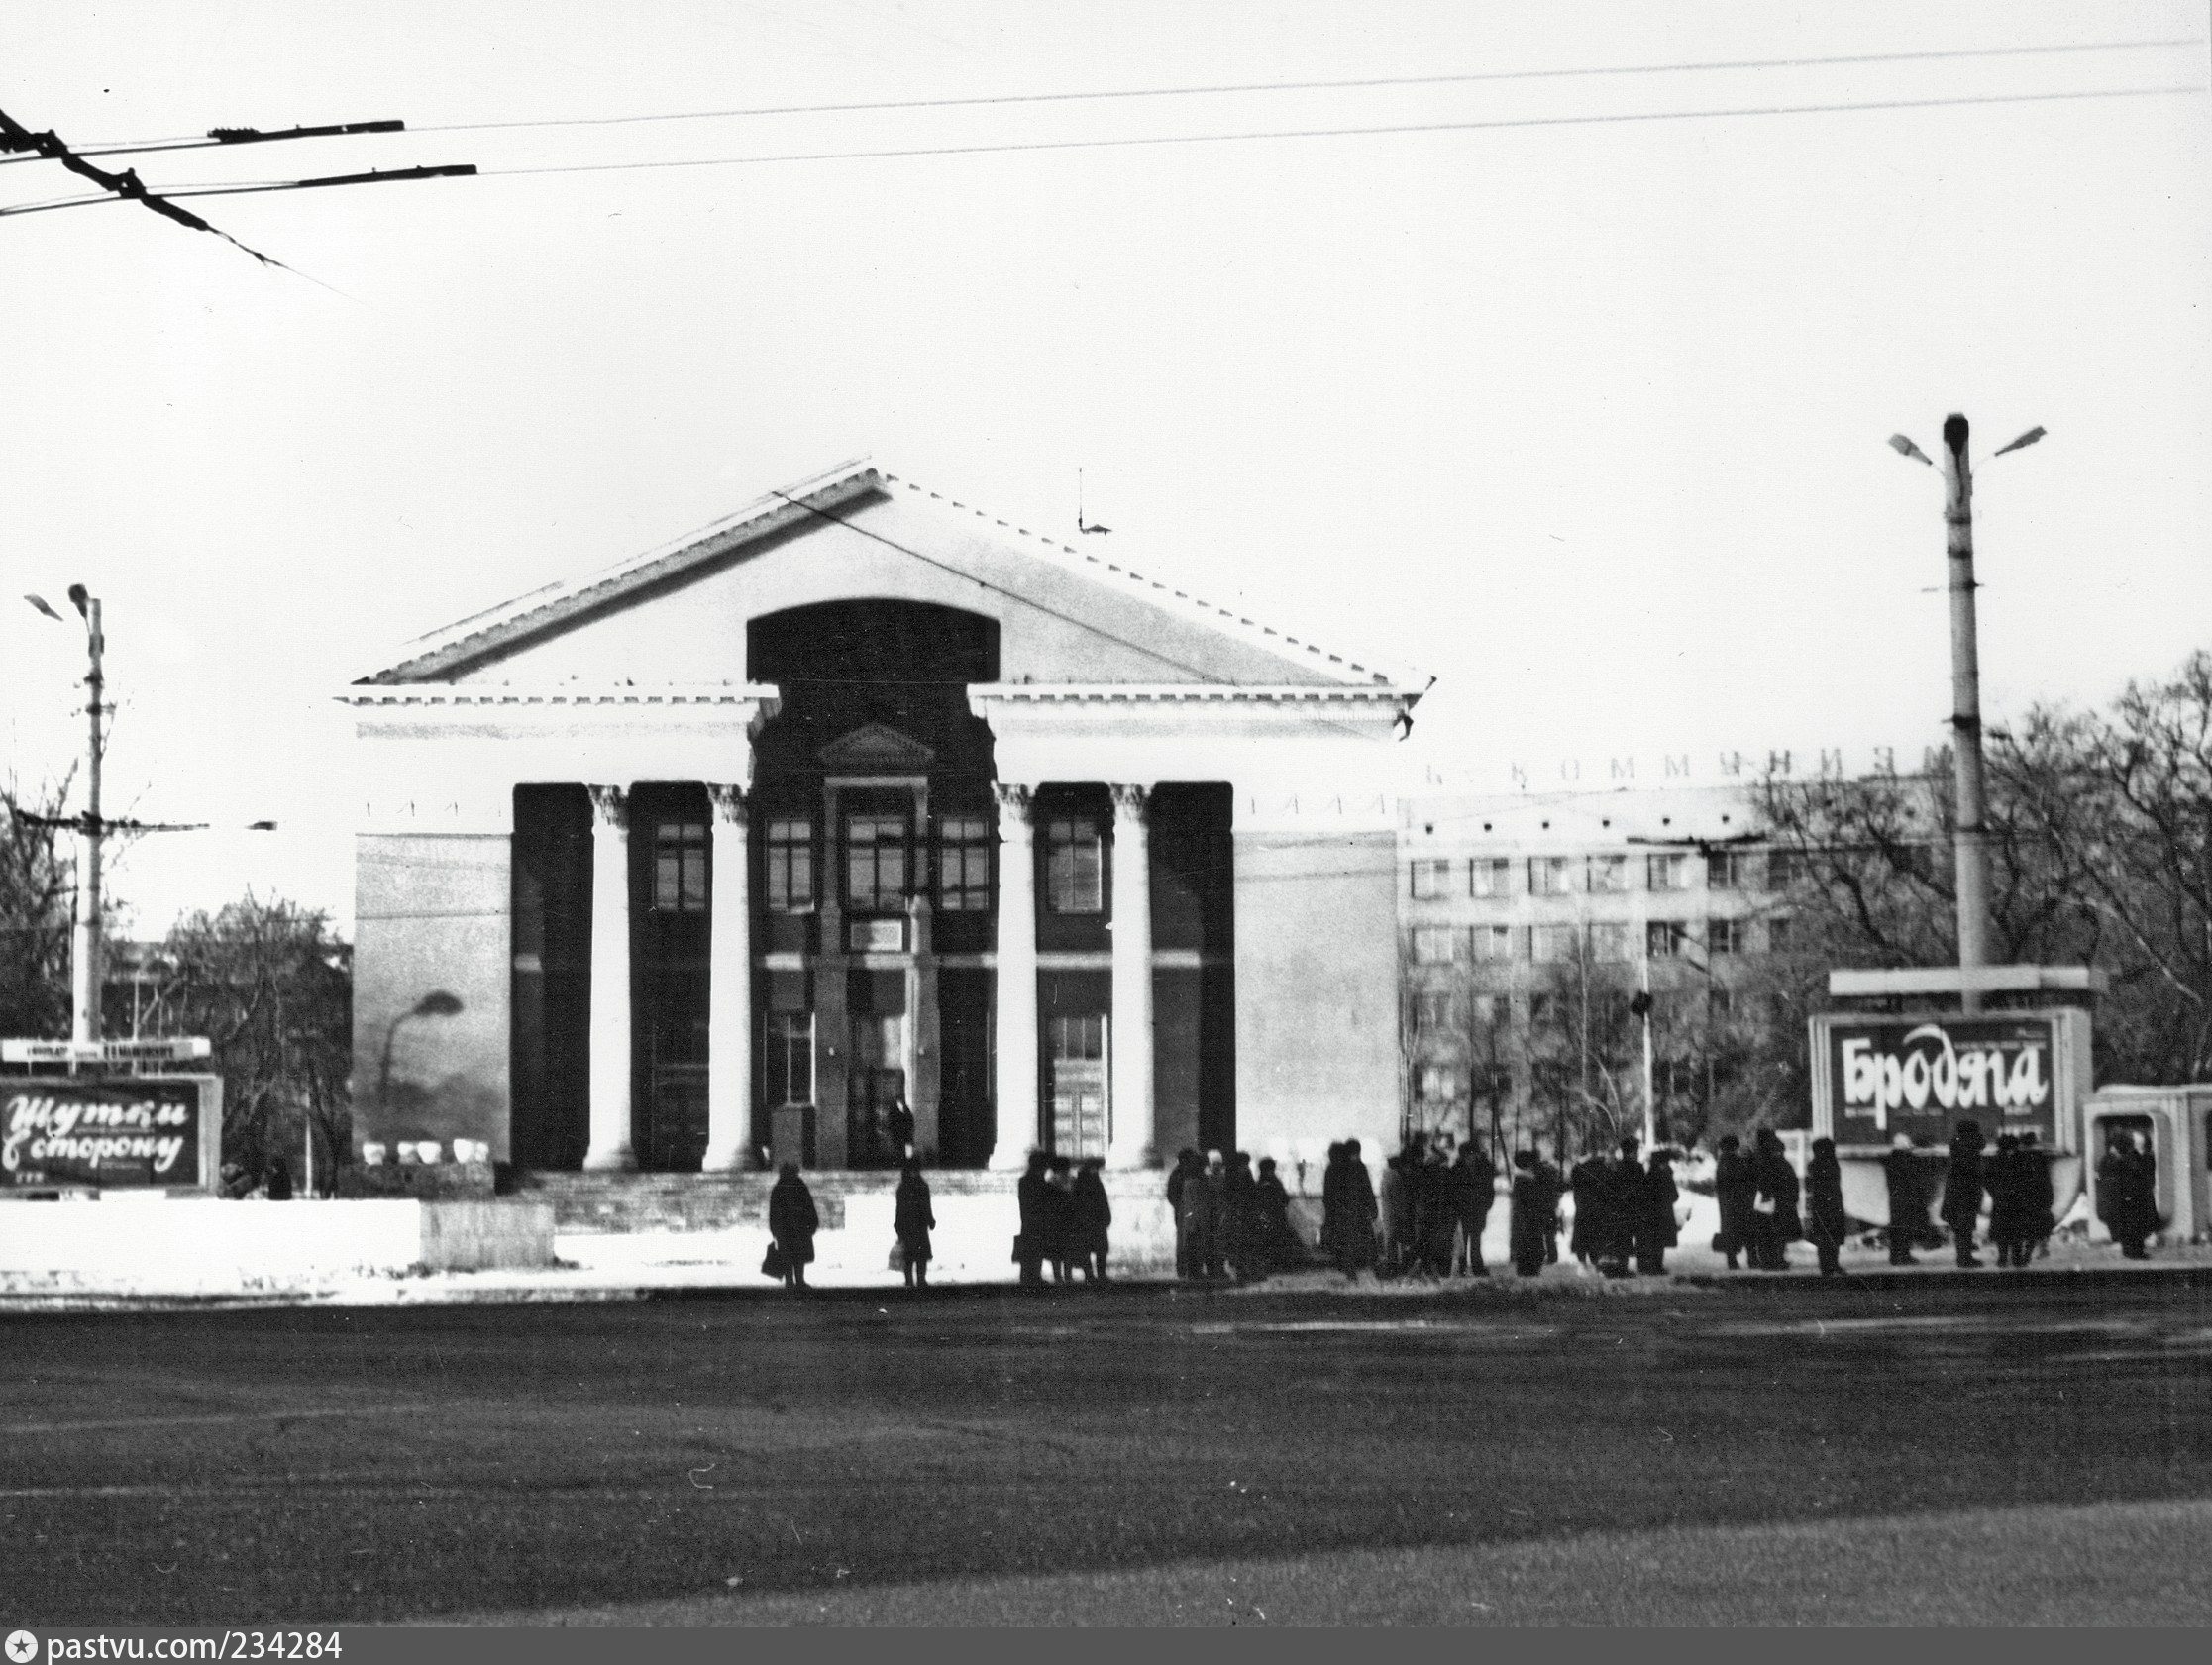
(729, 998)
(611, 981)
(1131, 1142)
(1016, 1039)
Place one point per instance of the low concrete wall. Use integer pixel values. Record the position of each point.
(191, 1243)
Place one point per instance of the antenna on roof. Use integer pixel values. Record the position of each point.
(1080, 524)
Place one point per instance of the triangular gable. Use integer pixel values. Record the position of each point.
(876, 749)
(1066, 616)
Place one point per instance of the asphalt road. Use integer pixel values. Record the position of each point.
(1766, 1450)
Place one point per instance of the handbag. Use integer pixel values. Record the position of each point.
(1020, 1247)
(773, 1264)
(897, 1262)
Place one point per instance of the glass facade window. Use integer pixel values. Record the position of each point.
(789, 1058)
(1493, 942)
(1666, 938)
(1726, 936)
(964, 864)
(1612, 943)
(1727, 870)
(1492, 876)
(679, 867)
(875, 863)
(791, 865)
(1608, 874)
(1667, 873)
(1549, 876)
(1075, 865)
(1554, 943)
(1432, 881)
(1434, 945)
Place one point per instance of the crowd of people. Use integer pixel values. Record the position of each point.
(1428, 1216)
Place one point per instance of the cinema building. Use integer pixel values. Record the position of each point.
(860, 799)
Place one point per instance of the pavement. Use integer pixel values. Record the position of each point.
(646, 1266)
(1939, 1448)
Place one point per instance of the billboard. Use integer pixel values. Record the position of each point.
(111, 1133)
(1878, 1074)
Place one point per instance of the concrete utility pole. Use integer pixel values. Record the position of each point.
(84, 960)
(1969, 840)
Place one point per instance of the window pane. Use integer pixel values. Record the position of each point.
(1073, 867)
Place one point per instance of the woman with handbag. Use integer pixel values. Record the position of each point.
(791, 1223)
(912, 1219)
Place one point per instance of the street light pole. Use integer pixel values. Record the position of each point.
(1969, 839)
(84, 959)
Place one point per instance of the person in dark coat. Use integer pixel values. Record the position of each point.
(2001, 1175)
(1032, 1197)
(1474, 1189)
(1532, 1222)
(1963, 1182)
(279, 1181)
(1205, 1210)
(1774, 1202)
(1240, 1219)
(1825, 1222)
(1733, 1189)
(1396, 1216)
(1621, 1201)
(1587, 1179)
(1188, 1168)
(1349, 1211)
(1434, 1222)
(1906, 1178)
(2128, 1195)
(792, 1222)
(912, 1219)
(1059, 1216)
(1091, 1216)
(1554, 1176)
(1656, 1230)
(899, 1125)
(1281, 1249)
(2039, 1199)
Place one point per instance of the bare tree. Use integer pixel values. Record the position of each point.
(37, 893)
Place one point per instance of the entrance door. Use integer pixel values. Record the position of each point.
(875, 1085)
(1079, 1087)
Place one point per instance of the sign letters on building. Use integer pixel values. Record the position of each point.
(144, 1132)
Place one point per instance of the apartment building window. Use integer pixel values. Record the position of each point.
(1483, 1009)
(1667, 873)
(1547, 875)
(874, 863)
(1779, 934)
(1784, 868)
(1612, 943)
(1554, 943)
(679, 867)
(1727, 870)
(1493, 942)
(1490, 877)
(1432, 1010)
(964, 864)
(1666, 938)
(791, 865)
(1432, 881)
(1435, 945)
(1728, 936)
(1075, 865)
(1439, 1084)
(1720, 1002)
(1543, 1006)
(1608, 874)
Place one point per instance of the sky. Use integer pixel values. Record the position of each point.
(1573, 390)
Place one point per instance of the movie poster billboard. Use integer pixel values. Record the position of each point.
(1878, 1074)
(111, 1133)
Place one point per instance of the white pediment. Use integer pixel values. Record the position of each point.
(876, 749)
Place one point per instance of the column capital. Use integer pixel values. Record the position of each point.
(1015, 800)
(611, 808)
(1130, 802)
(729, 803)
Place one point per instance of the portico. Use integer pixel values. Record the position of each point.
(972, 828)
